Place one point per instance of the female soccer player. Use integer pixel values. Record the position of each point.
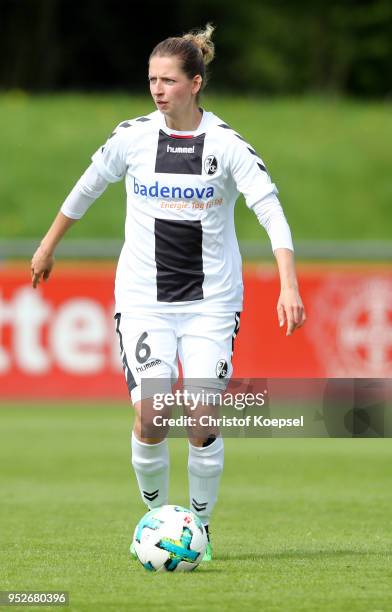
(179, 283)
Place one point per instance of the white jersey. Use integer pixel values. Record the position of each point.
(181, 252)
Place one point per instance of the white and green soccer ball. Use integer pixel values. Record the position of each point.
(170, 539)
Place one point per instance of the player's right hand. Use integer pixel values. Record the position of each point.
(41, 266)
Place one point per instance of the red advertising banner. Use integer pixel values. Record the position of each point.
(59, 342)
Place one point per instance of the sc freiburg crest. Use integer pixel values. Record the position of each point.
(221, 368)
(210, 164)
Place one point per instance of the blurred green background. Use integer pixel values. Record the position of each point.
(308, 84)
(263, 46)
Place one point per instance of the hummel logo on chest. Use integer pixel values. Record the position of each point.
(171, 149)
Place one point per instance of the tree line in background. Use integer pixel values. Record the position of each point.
(263, 46)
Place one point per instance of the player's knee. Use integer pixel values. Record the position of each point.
(146, 434)
(146, 428)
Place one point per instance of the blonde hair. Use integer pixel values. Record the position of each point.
(195, 50)
(202, 39)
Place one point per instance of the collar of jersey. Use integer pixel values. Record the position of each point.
(176, 133)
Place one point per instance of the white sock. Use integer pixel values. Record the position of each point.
(205, 466)
(151, 465)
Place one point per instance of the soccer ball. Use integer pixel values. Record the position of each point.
(170, 539)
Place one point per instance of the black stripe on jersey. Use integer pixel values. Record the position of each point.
(126, 124)
(143, 119)
(236, 330)
(184, 157)
(131, 383)
(179, 261)
(252, 151)
(261, 166)
(240, 137)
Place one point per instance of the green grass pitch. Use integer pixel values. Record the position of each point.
(300, 524)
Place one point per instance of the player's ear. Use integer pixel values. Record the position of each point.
(196, 84)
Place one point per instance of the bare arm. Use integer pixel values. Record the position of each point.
(43, 260)
(88, 188)
(290, 307)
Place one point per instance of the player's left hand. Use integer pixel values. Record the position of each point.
(291, 309)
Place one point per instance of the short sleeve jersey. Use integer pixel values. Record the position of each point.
(181, 252)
